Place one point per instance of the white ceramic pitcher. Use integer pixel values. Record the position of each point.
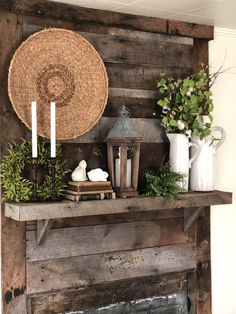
(179, 156)
(202, 171)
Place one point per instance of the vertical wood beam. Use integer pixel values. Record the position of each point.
(12, 232)
(200, 52)
(203, 272)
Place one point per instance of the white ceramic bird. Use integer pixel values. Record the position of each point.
(97, 175)
(79, 174)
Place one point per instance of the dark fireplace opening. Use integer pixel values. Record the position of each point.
(169, 304)
(167, 294)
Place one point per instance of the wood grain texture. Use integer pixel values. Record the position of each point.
(84, 271)
(203, 272)
(34, 24)
(37, 211)
(78, 14)
(75, 300)
(190, 216)
(133, 50)
(110, 219)
(190, 29)
(43, 227)
(149, 130)
(104, 295)
(68, 242)
(144, 78)
(12, 232)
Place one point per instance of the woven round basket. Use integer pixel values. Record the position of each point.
(58, 65)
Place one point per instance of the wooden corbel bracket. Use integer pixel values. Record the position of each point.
(191, 215)
(43, 226)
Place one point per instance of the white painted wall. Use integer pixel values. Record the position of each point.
(223, 218)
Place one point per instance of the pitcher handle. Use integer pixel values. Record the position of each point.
(196, 153)
(223, 136)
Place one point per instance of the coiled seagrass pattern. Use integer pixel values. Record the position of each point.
(58, 65)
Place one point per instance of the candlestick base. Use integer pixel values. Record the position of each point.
(34, 171)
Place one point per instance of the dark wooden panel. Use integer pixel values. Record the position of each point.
(125, 50)
(84, 271)
(200, 52)
(203, 273)
(12, 232)
(150, 130)
(77, 241)
(190, 29)
(78, 14)
(110, 219)
(75, 300)
(141, 77)
(139, 107)
(134, 50)
(33, 24)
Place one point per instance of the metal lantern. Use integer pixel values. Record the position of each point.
(123, 149)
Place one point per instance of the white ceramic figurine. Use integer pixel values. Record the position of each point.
(97, 175)
(79, 174)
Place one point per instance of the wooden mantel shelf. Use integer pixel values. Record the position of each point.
(67, 209)
(46, 213)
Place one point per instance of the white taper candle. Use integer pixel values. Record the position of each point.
(34, 129)
(53, 128)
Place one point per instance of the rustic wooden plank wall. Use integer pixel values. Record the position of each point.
(135, 50)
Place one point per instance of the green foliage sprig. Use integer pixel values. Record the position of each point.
(164, 182)
(187, 102)
(19, 189)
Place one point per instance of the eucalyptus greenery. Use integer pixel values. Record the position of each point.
(19, 189)
(164, 182)
(187, 104)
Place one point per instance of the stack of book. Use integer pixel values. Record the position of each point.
(87, 190)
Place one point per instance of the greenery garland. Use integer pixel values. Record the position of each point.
(19, 189)
(164, 182)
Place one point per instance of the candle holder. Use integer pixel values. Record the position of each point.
(54, 196)
(34, 171)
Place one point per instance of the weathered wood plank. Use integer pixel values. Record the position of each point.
(150, 130)
(34, 24)
(203, 272)
(75, 300)
(200, 52)
(139, 107)
(143, 78)
(125, 50)
(13, 277)
(78, 14)
(68, 242)
(110, 219)
(36, 211)
(120, 49)
(190, 29)
(84, 271)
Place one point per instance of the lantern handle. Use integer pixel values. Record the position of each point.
(124, 112)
